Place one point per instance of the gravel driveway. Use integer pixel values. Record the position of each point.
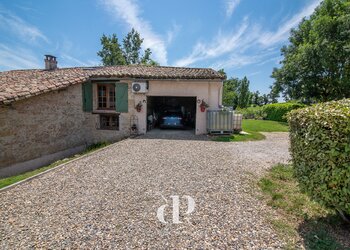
(110, 198)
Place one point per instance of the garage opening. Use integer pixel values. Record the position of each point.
(171, 112)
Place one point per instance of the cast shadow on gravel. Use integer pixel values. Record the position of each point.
(172, 134)
(328, 233)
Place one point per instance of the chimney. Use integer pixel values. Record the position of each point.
(50, 62)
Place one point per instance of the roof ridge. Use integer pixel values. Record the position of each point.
(111, 66)
(20, 84)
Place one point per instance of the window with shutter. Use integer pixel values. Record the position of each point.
(121, 99)
(105, 96)
(87, 96)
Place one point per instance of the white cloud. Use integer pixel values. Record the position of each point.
(129, 12)
(173, 32)
(275, 59)
(222, 44)
(229, 47)
(66, 60)
(230, 6)
(19, 27)
(70, 61)
(282, 33)
(17, 58)
(236, 61)
(254, 73)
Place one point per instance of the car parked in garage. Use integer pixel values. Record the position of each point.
(172, 120)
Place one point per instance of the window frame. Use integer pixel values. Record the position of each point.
(110, 105)
(103, 127)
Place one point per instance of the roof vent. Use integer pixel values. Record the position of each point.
(50, 62)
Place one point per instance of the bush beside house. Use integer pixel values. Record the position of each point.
(320, 148)
(274, 112)
(278, 111)
(252, 113)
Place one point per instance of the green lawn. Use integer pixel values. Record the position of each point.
(253, 127)
(264, 126)
(252, 136)
(299, 215)
(13, 179)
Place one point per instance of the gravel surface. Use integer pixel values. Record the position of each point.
(109, 199)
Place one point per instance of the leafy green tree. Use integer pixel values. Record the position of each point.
(260, 100)
(264, 99)
(316, 64)
(256, 99)
(230, 89)
(236, 92)
(244, 95)
(113, 53)
(131, 47)
(222, 71)
(146, 59)
(274, 93)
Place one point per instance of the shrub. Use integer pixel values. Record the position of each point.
(320, 148)
(252, 113)
(278, 111)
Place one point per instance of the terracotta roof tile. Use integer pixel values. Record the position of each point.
(20, 84)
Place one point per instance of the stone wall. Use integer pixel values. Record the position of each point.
(49, 123)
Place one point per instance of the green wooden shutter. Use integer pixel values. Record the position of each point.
(87, 96)
(121, 97)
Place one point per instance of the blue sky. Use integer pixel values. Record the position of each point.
(242, 36)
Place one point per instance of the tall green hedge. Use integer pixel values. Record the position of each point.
(252, 113)
(278, 111)
(320, 148)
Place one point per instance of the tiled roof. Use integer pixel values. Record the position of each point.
(20, 84)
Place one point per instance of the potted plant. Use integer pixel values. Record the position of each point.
(203, 105)
(138, 107)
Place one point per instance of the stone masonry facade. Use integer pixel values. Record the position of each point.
(52, 122)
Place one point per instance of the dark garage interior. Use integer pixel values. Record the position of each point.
(160, 107)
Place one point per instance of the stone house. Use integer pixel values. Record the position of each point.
(47, 114)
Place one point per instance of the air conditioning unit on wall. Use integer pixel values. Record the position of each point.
(139, 87)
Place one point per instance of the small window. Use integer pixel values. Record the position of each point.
(109, 121)
(105, 96)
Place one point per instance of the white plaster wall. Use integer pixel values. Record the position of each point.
(210, 91)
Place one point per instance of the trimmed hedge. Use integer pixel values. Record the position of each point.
(252, 113)
(278, 111)
(320, 148)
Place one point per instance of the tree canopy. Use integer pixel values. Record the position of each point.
(316, 63)
(236, 94)
(244, 95)
(112, 53)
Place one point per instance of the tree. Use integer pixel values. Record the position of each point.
(146, 59)
(111, 53)
(256, 99)
(132, 46)
(316, 64)
(274, 93)
(230, 89)
(130, 53)
(236, 93)
(244, 94)
(222, 72)
(265, 99)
